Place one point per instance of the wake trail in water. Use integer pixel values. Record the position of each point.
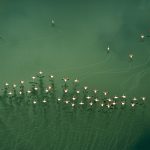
(85, 66)
(113, 71)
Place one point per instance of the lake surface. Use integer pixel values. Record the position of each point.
(76, 47)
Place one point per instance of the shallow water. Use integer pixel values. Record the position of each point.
(77, 47)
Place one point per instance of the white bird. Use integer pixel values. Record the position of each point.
(81, 103)
(142, 36)
(53, 22)
(108, 49)
(131, 56)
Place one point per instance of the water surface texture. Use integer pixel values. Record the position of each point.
(77, 46)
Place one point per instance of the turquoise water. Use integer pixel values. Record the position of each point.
(77, 47)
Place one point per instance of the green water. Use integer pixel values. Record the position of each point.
(77, 47)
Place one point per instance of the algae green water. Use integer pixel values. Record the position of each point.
(76, 46)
